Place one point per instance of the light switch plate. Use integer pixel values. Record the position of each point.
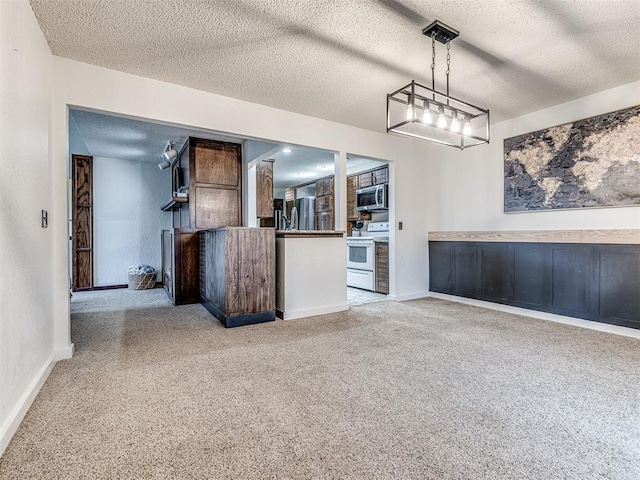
(399, 225)
(45, 219)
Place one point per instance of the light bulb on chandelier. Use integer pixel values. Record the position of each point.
(410, 112)
(426, 116)
(466, 127)
(455, 123)
(442, 119)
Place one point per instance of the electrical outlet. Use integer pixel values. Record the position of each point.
(45, 219)
(399, 225)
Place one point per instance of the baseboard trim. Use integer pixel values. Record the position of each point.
(408, 296)
(116, 287)
(64, 353)
(552, 317)
(110, 287)
(10, 427)
(312, 312)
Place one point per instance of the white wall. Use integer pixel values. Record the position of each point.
(26, 249)
(88, 86)
(127, 217)
(466, 188)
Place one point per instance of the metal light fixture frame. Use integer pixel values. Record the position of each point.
(414, 102)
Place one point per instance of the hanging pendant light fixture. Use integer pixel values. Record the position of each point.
(425, 113)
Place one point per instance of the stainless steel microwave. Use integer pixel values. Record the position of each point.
(373, 199)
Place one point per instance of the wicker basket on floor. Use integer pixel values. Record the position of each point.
(142, 281)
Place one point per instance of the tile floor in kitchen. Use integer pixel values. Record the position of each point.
(357, 296)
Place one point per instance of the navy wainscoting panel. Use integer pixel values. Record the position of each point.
(531, 276)
(619, 284)
(466, 270)
(572, 266)
(497, 272)
(441, 267)
(598, 282)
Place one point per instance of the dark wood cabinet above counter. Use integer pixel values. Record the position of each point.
(215, 184)
(211, 171)
(325, 216)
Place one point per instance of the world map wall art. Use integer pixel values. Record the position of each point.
(593, 162)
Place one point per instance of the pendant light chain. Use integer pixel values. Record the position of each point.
(433, 61)
(448, 65)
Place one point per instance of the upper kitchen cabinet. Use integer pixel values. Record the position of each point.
(215, 184)
(213, 172)
(352, 186)
(377, 176)
(324, 204)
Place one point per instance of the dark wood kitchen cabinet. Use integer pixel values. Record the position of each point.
(180, 266)
(352, 186)
(211, 171)
(324, 204)
(216, 183)
(382, 267)
(376, 176)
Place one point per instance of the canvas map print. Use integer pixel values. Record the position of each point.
(593, 162)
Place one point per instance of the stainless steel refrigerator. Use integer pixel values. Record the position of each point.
(306, 207)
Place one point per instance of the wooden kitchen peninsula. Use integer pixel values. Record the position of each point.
(311, 274)
(237, 274)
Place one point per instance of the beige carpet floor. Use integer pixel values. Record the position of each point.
(425, 389)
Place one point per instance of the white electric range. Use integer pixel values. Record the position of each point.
(361, 256)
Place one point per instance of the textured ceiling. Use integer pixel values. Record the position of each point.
(338, 59)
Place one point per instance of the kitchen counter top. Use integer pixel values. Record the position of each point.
(309, 233)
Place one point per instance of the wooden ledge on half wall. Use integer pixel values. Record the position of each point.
(609, 236)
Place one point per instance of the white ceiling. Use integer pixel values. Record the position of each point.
(338, 59)
(297, 165)
(111, 136)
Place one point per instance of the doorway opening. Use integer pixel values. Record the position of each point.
(369, 201)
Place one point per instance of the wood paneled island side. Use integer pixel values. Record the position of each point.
(238, 282)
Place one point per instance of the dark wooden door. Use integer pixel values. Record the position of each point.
(82, 221)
